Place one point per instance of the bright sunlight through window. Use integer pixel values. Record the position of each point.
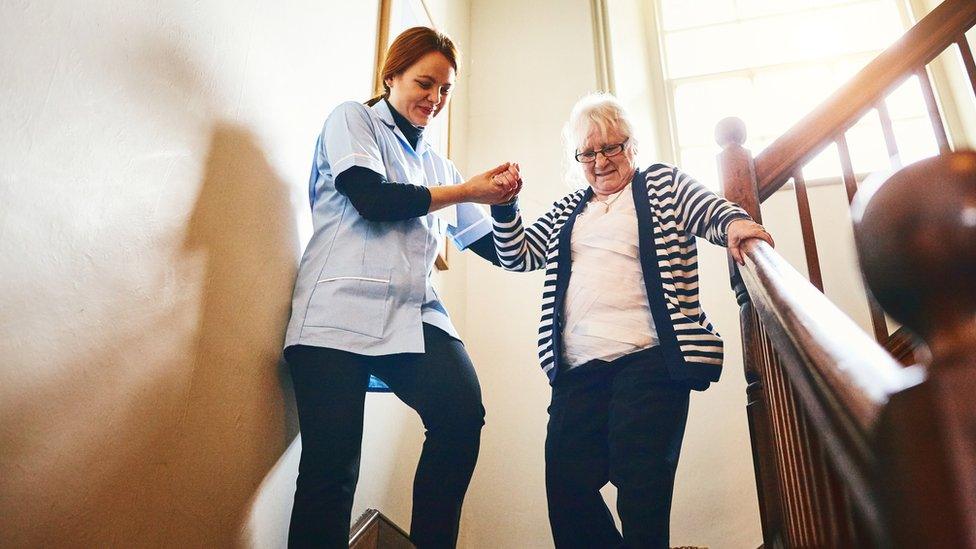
(769, 62)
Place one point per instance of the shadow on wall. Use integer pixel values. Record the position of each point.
(238, 413)
(163, 439)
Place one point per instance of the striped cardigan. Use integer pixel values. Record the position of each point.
(672, 209)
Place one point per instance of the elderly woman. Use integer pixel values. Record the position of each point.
(623, 338)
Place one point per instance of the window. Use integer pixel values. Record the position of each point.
(768, 62)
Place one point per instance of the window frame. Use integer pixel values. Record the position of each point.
(664, 124)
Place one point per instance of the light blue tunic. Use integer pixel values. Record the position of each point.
(364, 286)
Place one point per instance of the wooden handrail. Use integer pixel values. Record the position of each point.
(841, 376)
(853, 374)
(850, 447)
(848, 375)
(920, 45)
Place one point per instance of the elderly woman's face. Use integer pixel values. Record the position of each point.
(607, 175)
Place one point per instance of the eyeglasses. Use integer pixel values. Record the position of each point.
(610, 150)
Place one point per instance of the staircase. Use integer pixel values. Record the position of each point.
(858, 439)
(373, 530)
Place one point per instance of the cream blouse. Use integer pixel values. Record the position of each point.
(606, 311)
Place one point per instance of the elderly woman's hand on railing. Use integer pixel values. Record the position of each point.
(741, 230)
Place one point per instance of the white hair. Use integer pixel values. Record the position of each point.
(600, 110)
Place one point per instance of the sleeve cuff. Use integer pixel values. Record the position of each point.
(472, 233)
(356, 159)
(505, 213)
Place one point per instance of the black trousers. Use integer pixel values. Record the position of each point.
(330, 388)
(621, 422)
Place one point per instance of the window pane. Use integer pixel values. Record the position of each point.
(702, 164)
(788, 38)
(700, 105)
(708, 50)
(759, 8)
(824, 165)
(915, 138)
(787, 95)
(679, 14)
(866, 143)
(825, 33)
(907, 101)
(845, 69)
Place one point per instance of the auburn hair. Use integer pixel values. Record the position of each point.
(408, 48)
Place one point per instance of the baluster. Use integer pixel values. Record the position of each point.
(889, 134)
(850, 182)
(935, 117)
(818, 503)
(840, 512)
(798, 523)
(800, 469)
(775, 407)
(763, 449)
(776, 415)
(967, 59)
(806, 226)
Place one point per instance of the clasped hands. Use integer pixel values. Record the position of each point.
(498, 185)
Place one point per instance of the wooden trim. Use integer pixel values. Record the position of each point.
(382, 39)
(662, 93)
(602, 46)
(920, 45)
(967, 59)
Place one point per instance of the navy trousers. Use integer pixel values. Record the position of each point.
(620, 422)
(330, 389)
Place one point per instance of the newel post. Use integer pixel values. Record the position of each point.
(916, 239)
(738, 181)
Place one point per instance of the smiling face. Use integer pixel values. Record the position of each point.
(607, 175)
(423, 90)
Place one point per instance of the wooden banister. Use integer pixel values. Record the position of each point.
(851, 447)
(920, 45)
(856, 449)
(821, 405)
(842, 363)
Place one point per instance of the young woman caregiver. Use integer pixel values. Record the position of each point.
(364, 313)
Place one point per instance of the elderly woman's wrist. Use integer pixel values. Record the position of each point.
(506, 211)
(736, 217)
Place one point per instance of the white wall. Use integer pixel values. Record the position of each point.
(154, 162)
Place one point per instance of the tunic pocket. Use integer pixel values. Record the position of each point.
(355, 303)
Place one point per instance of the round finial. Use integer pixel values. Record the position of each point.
(916, 239)
(730, 130)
